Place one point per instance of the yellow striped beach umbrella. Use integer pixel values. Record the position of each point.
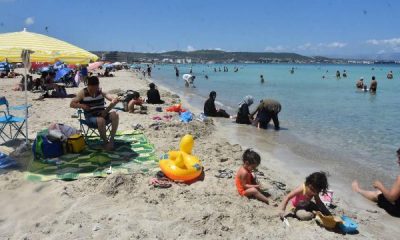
(45, 49)
(30, 47)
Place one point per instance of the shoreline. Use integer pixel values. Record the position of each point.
(210, 208)
(277, 158)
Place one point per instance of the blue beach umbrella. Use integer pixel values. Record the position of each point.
(61, 73)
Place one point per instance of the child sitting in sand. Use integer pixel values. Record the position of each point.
(302, 195)
(136, 100)
(245, 181)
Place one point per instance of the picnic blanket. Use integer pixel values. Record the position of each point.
(132, 153)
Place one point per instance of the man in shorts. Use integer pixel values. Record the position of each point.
(92, 100)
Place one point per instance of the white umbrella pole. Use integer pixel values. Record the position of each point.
(26, 104)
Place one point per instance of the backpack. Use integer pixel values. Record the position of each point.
(43, 148)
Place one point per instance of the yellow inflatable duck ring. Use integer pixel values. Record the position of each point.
(181, 165)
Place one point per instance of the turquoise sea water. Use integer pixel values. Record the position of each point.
(327, 113)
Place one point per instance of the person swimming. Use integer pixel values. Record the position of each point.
(262, 78)
(337, 74)
(390, 75)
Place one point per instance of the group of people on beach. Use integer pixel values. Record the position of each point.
(266, 110)
(314, 186)
(91, 100)
(305, 199)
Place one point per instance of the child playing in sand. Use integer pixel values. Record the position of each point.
(302, 195)
(136, 100)
(245, 181)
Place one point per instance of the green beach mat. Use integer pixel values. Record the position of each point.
(132, 153)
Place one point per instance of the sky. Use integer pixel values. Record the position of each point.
(308, 27)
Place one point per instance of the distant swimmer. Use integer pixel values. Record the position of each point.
(374, 85)
(262, 78)
(360, 83)
(236, 69)
(206, 76)
(344, 74)
(219, 69)
(215, 69)
(176, 71)
(189, 80)
(191, 70)
(390, 75)
(292, 70)
(337, 74)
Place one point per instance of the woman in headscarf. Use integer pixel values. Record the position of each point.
(210, 110)
(243, 116)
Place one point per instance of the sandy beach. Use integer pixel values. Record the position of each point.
(127, 207)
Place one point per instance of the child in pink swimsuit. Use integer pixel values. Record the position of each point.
(301, 197)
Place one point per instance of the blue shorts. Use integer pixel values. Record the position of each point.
(91, 119)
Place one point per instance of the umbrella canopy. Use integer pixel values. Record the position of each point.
(45, 49)
(95, 65)
(61, 73)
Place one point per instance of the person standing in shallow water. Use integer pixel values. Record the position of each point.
(360, 83)
(262, 78)
(388, 199)
(374, 85)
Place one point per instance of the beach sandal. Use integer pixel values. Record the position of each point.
(160, 183)
(156, 118)
(224, 173)
(138, 127)
(279, 185)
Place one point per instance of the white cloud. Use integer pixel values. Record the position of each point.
(336, 45)
(393, 42)
(320, 46)
(29, 21)
(278, 48)
(218, 49)
(305, 46)
(190, 48)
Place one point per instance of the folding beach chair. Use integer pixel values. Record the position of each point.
(88, 129)
(13, 122)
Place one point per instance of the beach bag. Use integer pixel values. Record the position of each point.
(76, 143)
(43, 148)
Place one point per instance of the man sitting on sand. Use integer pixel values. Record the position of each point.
(388, 199)
(91, 100)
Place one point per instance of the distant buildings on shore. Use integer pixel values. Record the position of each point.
(179, 58)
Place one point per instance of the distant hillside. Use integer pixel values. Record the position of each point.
(203, 56)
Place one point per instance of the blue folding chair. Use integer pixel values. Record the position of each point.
(11, 121)
(88, 129)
